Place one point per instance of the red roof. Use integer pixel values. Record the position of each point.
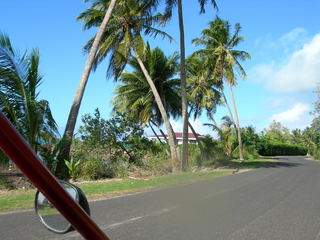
(179, 135)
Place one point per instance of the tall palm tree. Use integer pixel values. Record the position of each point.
(220, 45)
(170, 4)
(74, 111)
(19, 82)
(122, 38)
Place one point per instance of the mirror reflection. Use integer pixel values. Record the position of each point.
(50, 216)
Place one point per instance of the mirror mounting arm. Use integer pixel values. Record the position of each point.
(28, 162)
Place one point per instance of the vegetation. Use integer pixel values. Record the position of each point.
(19, 97)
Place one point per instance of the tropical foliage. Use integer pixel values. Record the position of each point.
(19, 95)
(223, 60)
(122, 38)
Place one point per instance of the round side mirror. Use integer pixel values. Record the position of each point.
(50, 217)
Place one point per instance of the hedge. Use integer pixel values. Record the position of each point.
(282, 149)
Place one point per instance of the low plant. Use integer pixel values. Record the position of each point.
(73, 167)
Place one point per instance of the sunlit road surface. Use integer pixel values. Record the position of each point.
(278, 202)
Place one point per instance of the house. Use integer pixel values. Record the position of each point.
(191, 137)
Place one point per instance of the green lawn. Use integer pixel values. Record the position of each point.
(24, 199)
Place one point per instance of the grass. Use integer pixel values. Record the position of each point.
(24, 199)
(97, 190)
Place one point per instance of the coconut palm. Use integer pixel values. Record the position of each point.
(19, 82)
(122, 38)
(202, 92)
(135, 97)
(220, 45)
(226, 134)
(170, 4)
(74, 111)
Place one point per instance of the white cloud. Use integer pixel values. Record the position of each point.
(296, 117)
(300, 72)
(294, 35)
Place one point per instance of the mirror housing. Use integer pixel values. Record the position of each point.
(50, 217)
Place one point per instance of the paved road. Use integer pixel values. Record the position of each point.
(279, 202)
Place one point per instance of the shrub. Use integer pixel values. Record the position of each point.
(281, 149)
(315, 152)
(249, 152)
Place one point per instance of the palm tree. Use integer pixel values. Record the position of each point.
(202, 92)
(219, 46)
(170, 4)
(122, 38)
(135, 97)
(74, 111)
(19, 81)
(226, 133)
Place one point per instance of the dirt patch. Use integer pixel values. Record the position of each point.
(14, 181)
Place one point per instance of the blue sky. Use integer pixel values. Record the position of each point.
(282, 37)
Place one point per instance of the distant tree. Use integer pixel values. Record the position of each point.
(297, 137)
(223, 59)
(276, 132)
(202, 93)
(226, 133)
(120, 134)
(250, 137)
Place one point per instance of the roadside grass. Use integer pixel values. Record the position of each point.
(100, 190)
(14, 200)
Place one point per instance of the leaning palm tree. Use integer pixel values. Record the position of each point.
(74, 111)
(170, 4)
(224, 59)
(19, 82)
(122, 38)
(134, 95)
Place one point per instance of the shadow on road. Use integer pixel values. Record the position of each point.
(276, 163)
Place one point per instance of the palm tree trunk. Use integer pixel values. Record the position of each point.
(154, 132)
(162, 133)
(165, 137)
(237, 124)
(172, 143)
(228, 106)
(73, 115)
(184, 157)
(203, 152)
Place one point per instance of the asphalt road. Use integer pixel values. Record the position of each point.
(279, 202)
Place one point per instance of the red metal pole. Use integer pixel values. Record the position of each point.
(24, 157)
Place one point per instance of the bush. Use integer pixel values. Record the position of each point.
(249, 153)
(215, 153)
(98, 168)
(315, 152)
(281, 149)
